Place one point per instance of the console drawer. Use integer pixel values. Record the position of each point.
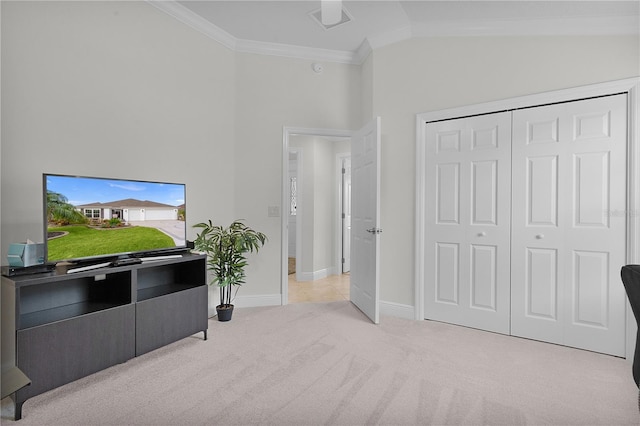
(54, 354)
(165, 319)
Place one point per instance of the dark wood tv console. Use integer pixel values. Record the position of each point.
(59, 327)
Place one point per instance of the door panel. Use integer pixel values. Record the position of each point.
(447, 267)
(467, 244)
(590, 295)
(365, 214)
(542, 285)
(592, 189)
(484, 192)
(448, 192)
(542, 190)
(483, 277)
(567, 247)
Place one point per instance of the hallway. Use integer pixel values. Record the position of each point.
(330, 289)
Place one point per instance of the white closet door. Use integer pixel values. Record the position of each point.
(568, 224)
(468, 181)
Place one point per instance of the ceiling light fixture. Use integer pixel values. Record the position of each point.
(331, 11)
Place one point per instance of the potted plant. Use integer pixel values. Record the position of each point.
(226, 249)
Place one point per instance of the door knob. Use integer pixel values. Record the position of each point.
(539, 236)
(482, 234)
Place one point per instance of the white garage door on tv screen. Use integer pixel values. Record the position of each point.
(88, 218)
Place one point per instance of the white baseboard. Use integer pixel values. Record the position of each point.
(386, 308)
(397, 310)
(315, 275)
(258, 300)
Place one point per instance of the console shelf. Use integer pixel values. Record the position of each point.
(161, 290)
(59, 327)
(47, 316)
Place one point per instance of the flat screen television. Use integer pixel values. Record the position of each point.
(89, 218)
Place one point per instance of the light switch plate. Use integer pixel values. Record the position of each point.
(274, 211)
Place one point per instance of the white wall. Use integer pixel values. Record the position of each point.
(430, 74)
(114, 89)
(324, 206)
(120, 89)
(273, 92)
(366, 89)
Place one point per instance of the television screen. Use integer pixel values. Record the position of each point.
(89, 217)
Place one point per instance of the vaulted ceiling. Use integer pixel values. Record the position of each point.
(288, 28)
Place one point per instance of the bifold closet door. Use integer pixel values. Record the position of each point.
(467, 185)
(568, 223)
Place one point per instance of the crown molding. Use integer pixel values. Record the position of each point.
(584, 26)
(391, 37)
(616, 25)
(299, 52)
(214, 32)
(364, 50)
(599, 26)
(196, 22)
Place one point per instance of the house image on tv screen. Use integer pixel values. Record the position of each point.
(130, 210)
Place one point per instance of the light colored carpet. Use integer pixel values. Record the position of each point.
(324, 363)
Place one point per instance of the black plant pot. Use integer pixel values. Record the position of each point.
(224, 312)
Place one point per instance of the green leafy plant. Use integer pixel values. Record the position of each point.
(61, 212)
(112, 223)
(226, 249)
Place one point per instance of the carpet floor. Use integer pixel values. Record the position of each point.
(325, 363)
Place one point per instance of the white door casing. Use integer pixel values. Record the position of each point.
(346, 215)
(291, 211)
(468, 163)
(365, 226)
(568, 243)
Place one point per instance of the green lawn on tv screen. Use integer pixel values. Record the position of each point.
(83, 241)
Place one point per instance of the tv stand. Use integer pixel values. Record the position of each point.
(59, 327)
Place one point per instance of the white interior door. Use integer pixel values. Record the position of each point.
(569, 180)
(365, 226)
(467, 243)
(346, 215)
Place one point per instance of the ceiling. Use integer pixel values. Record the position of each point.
(287, 28)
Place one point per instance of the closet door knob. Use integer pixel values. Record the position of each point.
(539, 236)
(482, 234)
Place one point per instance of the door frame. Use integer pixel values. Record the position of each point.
(299, 206)
(339, 239)
(630, 86)
(287, 132)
